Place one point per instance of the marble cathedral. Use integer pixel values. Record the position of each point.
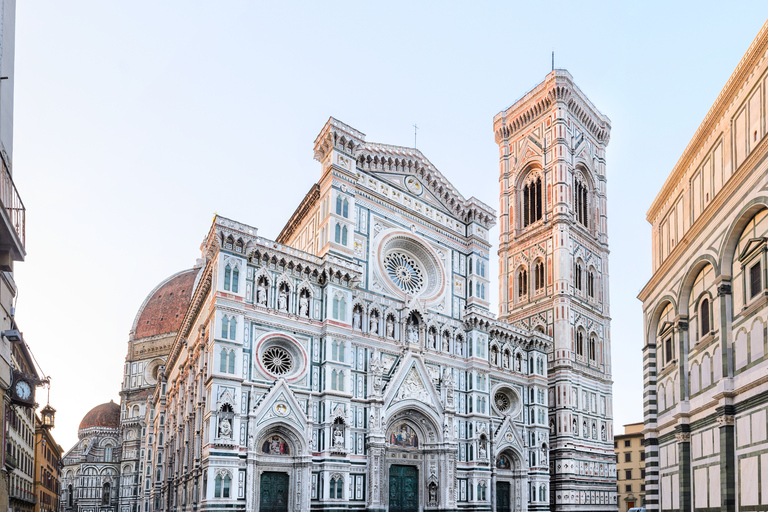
(353, 363)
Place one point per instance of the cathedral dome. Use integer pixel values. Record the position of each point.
(163, 310)
(104, 415)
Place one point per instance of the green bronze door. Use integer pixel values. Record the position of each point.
(274, 492)
(502, 497)
(403, 489)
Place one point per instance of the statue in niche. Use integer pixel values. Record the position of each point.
(412, 332)
(225, 428)
(433, 339)
(446, 347)
(585, 429)
(519, 363)
(506, 359)
(338, 437)
(282, 301)
(390, 327)
(602, 432)
(483, 451)
(594, 431)
(303, 306)
(373, 326)
(261, 294)
(356, 319)
(432, 494)
(575, 427)
(543, 455)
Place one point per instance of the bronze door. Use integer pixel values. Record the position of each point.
(503, 502)
(274, 492)
(403, 489)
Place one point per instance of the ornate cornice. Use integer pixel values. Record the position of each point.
(557, 87)
(304, 208)
(719, 108)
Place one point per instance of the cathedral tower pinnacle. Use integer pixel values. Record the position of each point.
(553, 261)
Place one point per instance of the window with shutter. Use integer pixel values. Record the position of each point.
(755, 280)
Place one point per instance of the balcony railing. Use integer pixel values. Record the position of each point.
(11, 203)
(21, 494)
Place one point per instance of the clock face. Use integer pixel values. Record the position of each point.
(23, 390)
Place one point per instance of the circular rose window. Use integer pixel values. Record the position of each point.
(408, 266)
(280, 356)
(507, 401)
(277, 360)
(404, 271)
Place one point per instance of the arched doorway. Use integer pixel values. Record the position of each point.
(281, 470)
(509, 472)
(413, 479)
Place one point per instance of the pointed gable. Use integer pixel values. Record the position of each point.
(412, 382)
(280, 404)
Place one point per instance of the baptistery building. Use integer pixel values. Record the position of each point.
(353, 362)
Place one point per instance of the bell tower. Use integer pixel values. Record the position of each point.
(553, 264)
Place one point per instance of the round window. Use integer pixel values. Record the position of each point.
(506, 401)
(277, 360)
(404, 271)
(279, 355)
(409, 266)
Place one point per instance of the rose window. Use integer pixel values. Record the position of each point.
(404, 271)
(502, 401)
(277, 360)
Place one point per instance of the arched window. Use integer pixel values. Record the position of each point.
(580, 203)
(233, 328)
(235, 279)
(344, 235)
(336, 307)
(341, 351)
(70, 497)
(577, 277)
(579, 343)
(345, 211)
(542, 493)
(231, 366)
(539, 275)
(338, 205)
(224, 327)
(225, 487)
(522, 283)
(227, 277)
(335, 350)
(334, 380)
(592, 349)
(108, 453)
(704, 315)
(217, 487)
(338, 234)
(223, 363)
(341, 381)
(337, 488)
(482, 491)
(591, 284)
(343, 309)
(532, 202)
(105, 494)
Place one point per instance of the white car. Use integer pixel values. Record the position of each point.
(637, 509)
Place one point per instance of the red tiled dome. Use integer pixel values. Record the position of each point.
(104, 415)
(163, 311)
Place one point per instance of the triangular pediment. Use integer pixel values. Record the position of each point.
(280, 404)
(412, 382)
(751, 246)
(509, 436)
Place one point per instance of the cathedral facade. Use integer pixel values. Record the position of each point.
(353, 362)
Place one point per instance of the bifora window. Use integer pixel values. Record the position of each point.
(532, 202)
(580, 203)
(704, 317)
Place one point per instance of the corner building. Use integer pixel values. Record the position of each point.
(553, 259)
(706, 309)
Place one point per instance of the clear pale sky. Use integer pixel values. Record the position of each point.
(136, 121)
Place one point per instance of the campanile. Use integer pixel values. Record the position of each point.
(553, 274)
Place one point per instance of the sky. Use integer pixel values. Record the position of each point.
(136, 122)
